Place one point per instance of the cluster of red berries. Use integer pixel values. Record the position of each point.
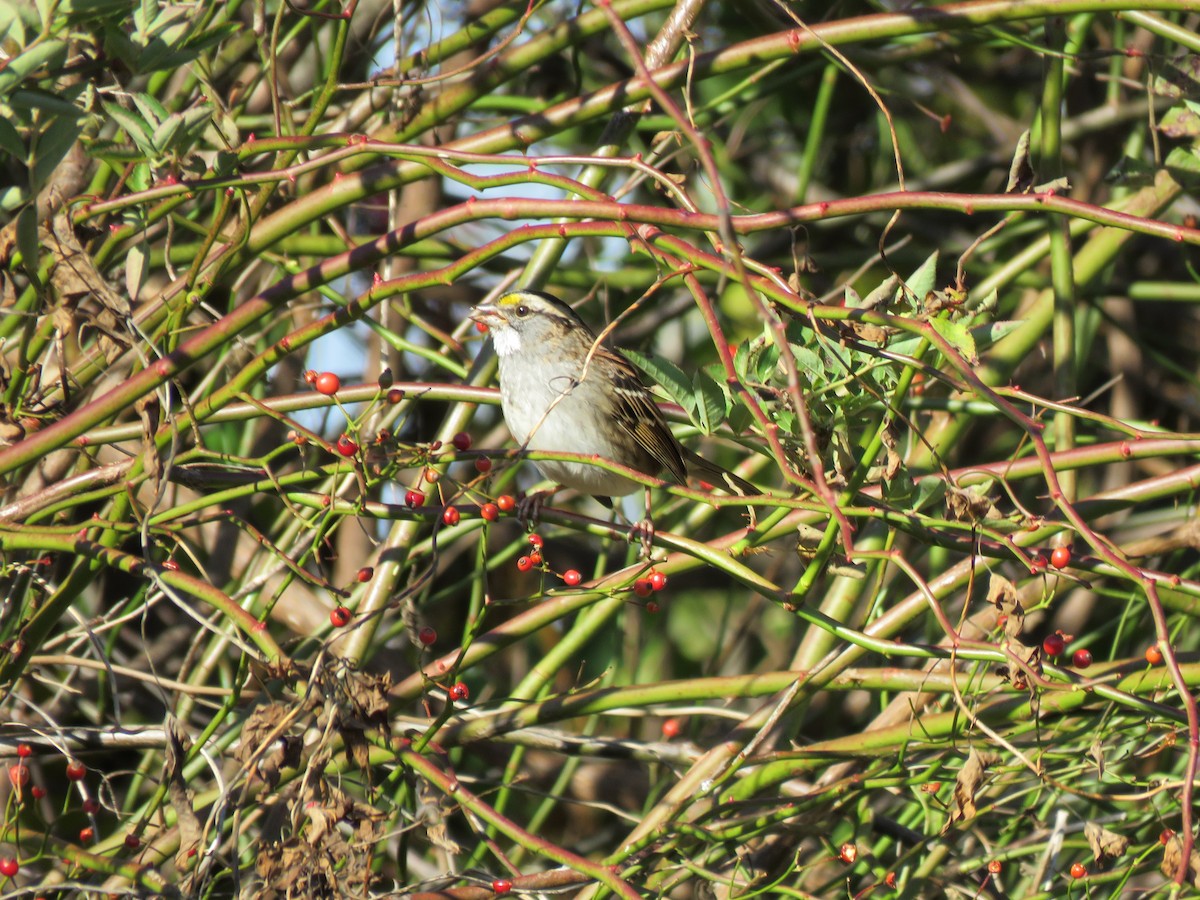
(1060, 558)
(1055, 644)
(650, 583)
(525, 563)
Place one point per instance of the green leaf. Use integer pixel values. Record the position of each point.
(43, 101)
(1181, 121)
(882, 294)
(668, 376)
(1184, 165)
(711, 402)
(922, 281)
(768, 360)
(930, 489)
(958, 335)
(136, 258)
(988, 334)
(164, 134)
(808, 363)
(10, 140)
(134, 126)
(152, 111)
(13, 198)
(53, 144)
(27, 240)
(48, 55)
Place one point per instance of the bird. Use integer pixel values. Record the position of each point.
(564, 391)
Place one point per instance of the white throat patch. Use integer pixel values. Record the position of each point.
(506, 340)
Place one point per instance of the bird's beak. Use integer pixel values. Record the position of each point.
(485, 313)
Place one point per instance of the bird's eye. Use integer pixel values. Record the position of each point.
(522, 311)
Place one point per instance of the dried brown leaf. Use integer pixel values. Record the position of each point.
(76, 279)
(968, 505)
(1105, 844)
(1096, 752)
(1002, 594)
(266, 746)
(1173, 858)
(181, 799)
(966, 786)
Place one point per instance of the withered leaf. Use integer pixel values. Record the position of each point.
(1020, 170)
(1105, 844)
(190, 830)
(894, 461)
(969, 505)
(75, 278)
(1173, 858)
(433, 810)
(967, 784)
(1002, 594)
(1096, 752)
(266, 746)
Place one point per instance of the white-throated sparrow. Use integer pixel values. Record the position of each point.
(562, 391)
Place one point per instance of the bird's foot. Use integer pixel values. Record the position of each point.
(643, 531)
(529, 507)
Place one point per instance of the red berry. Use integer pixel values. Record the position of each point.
(310, 376)
(346, 446)
(1165, 837)
(450, 515)
(76, 771)
(427, 635)
(339, 617)
(502, 886)
(651, 606)
(994, 866)
(170, 565)
(38, 792)
(506, 503)
(848, 853)
(642, 587)
(1153, 655)
(658, 580)
(9, 867)
(328, 383)
(1037, 562)
(672, 727)
(1053, 644)
(536, 540)
(366, 573)
(459, 691)
(461, 441)
(1060, 557)
(414, 499)
(132, 841)
(481, 327)
(91, 806)
(18, 775)
(490, 512)
(87, 835)
(572, 577)
(524, 564)
(1078, 870)
(535, 558)
(394, 396)
(24, 751)
(1082, 659)
(483, 464)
